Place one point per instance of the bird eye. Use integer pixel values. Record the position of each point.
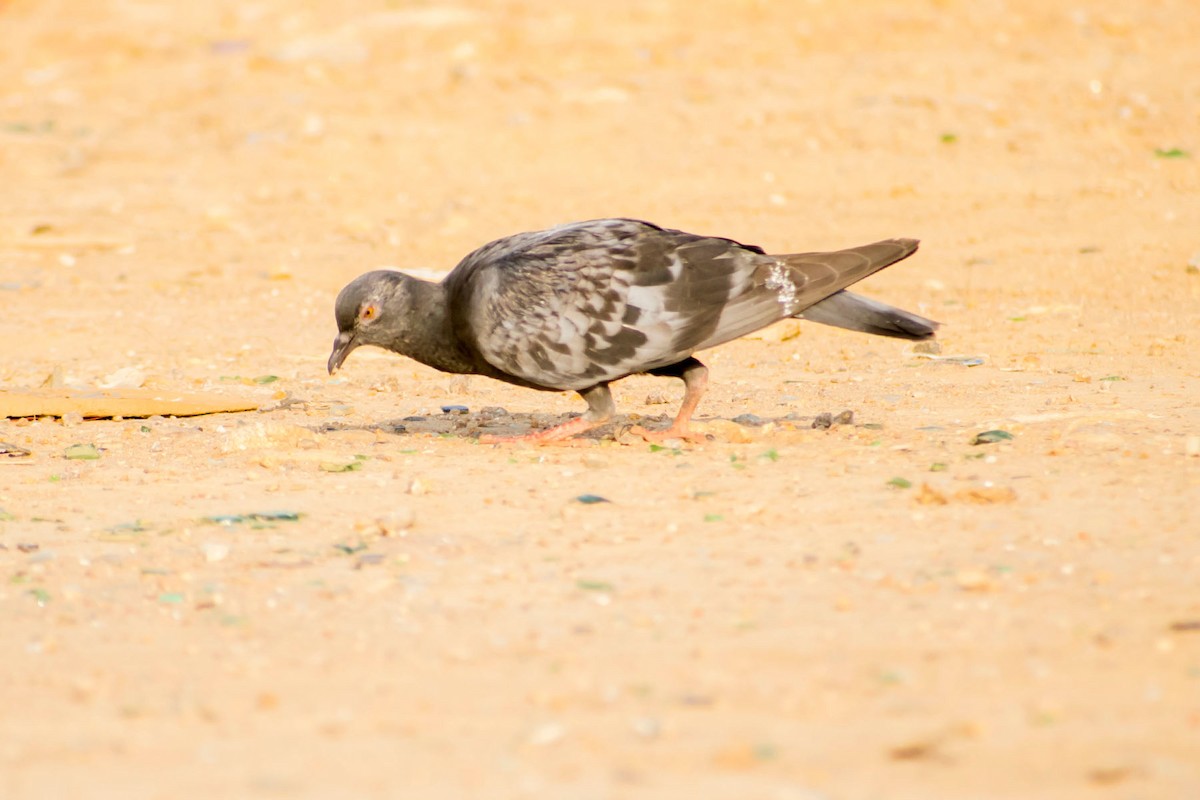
(367, 314)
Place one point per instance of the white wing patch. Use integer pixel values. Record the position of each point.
(780, 280)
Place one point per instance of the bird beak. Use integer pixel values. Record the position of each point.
(342, 345)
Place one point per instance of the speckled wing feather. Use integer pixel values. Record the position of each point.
(591, 302)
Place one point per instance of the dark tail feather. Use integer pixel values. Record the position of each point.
(857, 313)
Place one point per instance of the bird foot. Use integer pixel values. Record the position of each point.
(559, 436)
(673, 432)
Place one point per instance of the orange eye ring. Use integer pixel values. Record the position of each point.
(367, 313)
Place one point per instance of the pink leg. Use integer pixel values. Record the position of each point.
(695, 380)
(600, 410)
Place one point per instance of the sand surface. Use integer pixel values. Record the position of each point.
(323, 599)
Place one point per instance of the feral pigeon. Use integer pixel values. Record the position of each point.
(584, 304)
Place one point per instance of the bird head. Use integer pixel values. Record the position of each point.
(369, 310)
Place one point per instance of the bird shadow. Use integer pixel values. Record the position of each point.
(498, 422)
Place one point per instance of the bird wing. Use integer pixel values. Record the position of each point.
(594, 301)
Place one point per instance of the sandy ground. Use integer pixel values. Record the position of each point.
(185, 187)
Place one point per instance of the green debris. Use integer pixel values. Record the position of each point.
(939, 466)
(991, 437)
(5, 516)
(949, 138)
(266, 379)
(134, 526)
(765, 751)
(333, 466)
(348, 549)
(588, 585)
(257, 519)
(82, 452)
(591, 499)
(175, 598)
(714, 517)
(1113, 378)
(1170, 152)
(41, 595)
(900, 483)
(771, 455)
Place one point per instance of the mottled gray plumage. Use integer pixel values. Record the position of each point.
(584, 304)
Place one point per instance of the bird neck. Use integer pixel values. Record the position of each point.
(430, 335)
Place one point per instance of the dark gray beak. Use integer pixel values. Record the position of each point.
(342, 346)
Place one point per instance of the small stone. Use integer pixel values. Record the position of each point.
(657, 399)
(929, 496)
(266, 435)
(124, 378)
(417, 487)
(14, 450)
(395, 522)
(823, 421)
(646, 727)
(215, 551)
(751, 420)
(844, 418)
(930, 347)
(72, 418)
(973, 580)
(986, 495)
(547, 734)
(729, 431)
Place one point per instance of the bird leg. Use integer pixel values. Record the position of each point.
(600, 410)
(695, 378)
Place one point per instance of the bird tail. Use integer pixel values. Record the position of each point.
(857, 313)
(843, 309)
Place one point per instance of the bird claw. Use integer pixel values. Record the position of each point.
(658, 437)
(560, 435)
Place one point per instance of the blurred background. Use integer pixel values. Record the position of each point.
(184, 187)
(180, 157)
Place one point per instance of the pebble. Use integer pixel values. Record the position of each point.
(395, 522)
(729, 431)
(264, 435)
(547, 734)
(752, 420)
(973, 580)
(929, 496)
(986, 495)
(657, 399)
(646, 727)
(72, 418)
(215, 551)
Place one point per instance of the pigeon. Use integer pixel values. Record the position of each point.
(581, 305)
